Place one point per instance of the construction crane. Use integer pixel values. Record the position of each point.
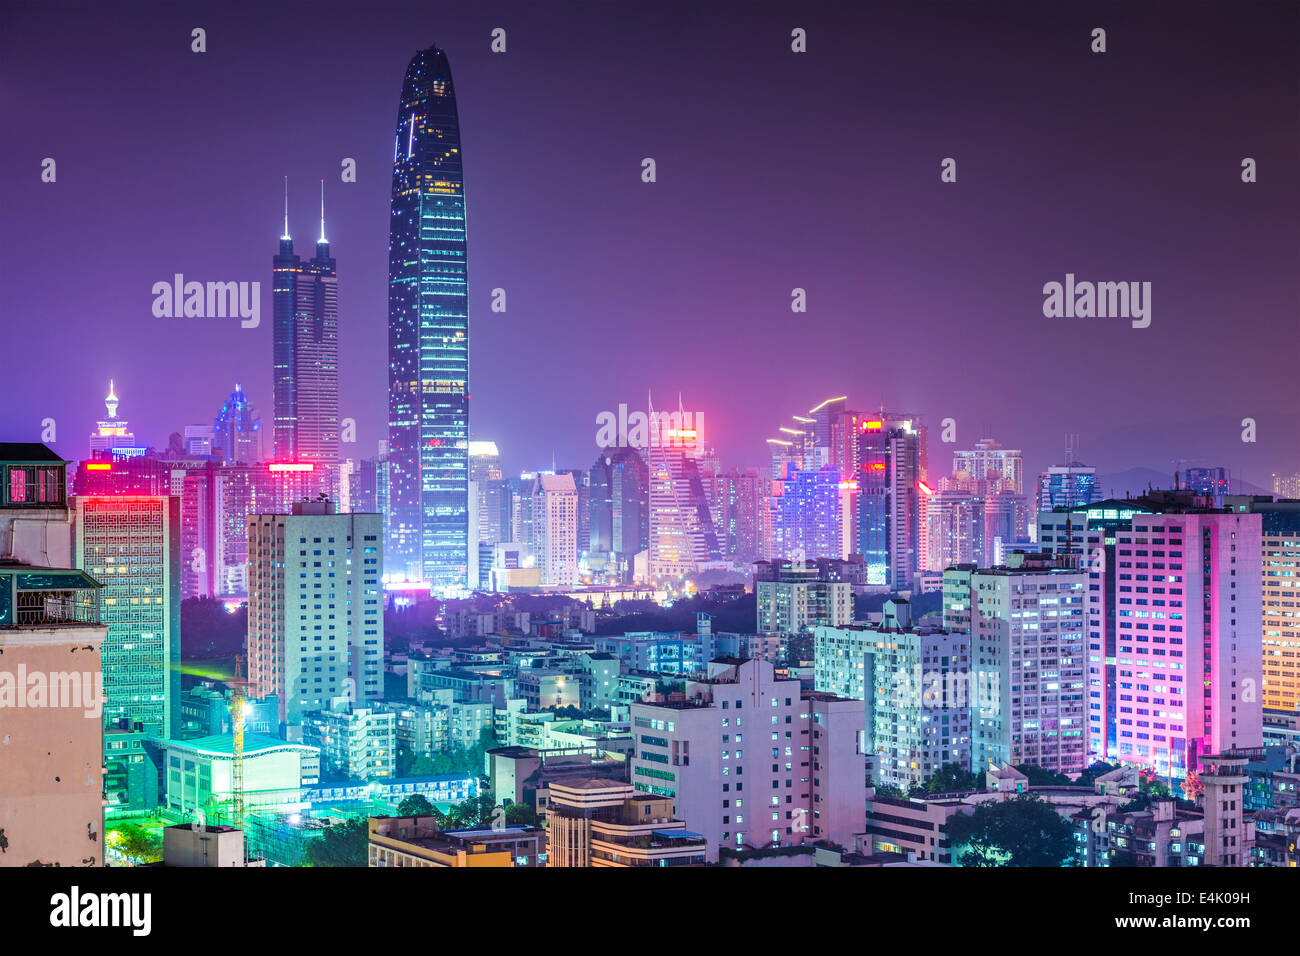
(238, 715)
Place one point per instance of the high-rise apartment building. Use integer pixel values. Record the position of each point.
(315, 608)
(1174, 639)
(305, 349)
(428, 332)
(753, 761)
(51, 775)
(988, 459)
(794, 596)
(1280, 596)
(1026, 623)
(555, 529)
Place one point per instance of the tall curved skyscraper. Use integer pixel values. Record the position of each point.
(428, 333)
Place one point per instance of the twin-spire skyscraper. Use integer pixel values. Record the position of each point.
(305, 349)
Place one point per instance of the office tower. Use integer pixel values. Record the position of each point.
(953, 529)
(112, 437)
(555, 529)
(315, 608)
(131, 545)
(428, 333)
(794, 596)
(1068, 485)
(891, 463)
(305, 349)
(51, 782)
(918, 698)
(682, 537)
(746, 527)
(1280, 565)
(198, 533)
(1286, 486)
(810, 514)
(237, 430)
(1213, 483)
(582, 486)
(485, 474)
(798, 778)
(1174, 627)
(371, 494)
(596, 822)
(1026, 623)
(620, 508)
(988, 459)
(197, 441)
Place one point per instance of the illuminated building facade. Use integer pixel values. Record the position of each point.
(428, 332)
(112, 437)
(1026, 623)
(315, 607)
(1174, 638)
(891, 473)
(305, 350)
(237, 430)
(681, 532)
(131, 545)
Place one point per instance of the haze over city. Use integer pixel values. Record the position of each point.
(774, 172)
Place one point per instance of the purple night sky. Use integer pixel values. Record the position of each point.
(775, 170)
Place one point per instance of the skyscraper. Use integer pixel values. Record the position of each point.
(112, 435)
(682, 537)
(237, 430)
(428, 332)
(1174, 617)
(891, 475)
(305, 349)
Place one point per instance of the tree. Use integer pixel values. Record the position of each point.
(416, 805)
(136, 844)
(1040, 777)
(950, 777)
(1099, 769)
(344, 844)
(1192, 786)
(522, 813)
(890, 792)
(1149, 782)
(1023, 831)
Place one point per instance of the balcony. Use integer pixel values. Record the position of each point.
(48, 598)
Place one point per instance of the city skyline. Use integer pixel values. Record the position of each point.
(1047, 203)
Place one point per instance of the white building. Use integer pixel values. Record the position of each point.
(356, 743)
(200, 773)
(315, 607)
(1027, 647)
(752, 761)
(555, 529)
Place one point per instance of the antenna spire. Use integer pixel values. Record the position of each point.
(286, 235)
(321, 240)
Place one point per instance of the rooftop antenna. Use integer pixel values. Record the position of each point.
(321, 240)
(286, 235)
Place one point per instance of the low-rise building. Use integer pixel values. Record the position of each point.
(606, 823)
(417, 841)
